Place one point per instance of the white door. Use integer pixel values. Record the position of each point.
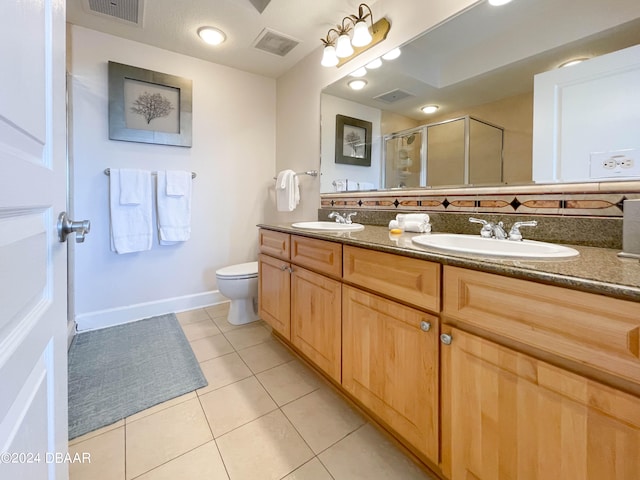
(33, 270)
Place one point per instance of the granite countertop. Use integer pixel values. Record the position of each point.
(595, 270)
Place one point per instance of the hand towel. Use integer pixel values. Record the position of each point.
(131, 186)
(130, 224)
(413, 217)
(174, 212)
(178, 184)
(287, 191)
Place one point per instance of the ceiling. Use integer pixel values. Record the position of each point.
(172, 25)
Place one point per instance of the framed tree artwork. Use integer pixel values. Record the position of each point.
(149, 107)
(353, 141)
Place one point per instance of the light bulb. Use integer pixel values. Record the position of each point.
(329, 58)
(361, 35)
(343, 46)
(361, 72)
(211, 35)
(497, 3)
(377, 63)
(391, 54)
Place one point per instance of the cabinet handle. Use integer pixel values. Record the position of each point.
(283, 267)
(425, 326)
(446, 339)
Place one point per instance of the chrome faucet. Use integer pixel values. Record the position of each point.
(347, 217)
(339, 218)
(496, 230)
(487, 228)
(514, 233)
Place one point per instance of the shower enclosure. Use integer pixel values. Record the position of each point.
(461, 151)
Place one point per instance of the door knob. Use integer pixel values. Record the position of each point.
(67, 226)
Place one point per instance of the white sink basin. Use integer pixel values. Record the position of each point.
(329, 226)
(490, 246)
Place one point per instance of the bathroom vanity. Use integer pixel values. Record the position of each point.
(483, 368)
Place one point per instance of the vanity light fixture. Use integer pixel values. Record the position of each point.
(357, 84)
(498, 3)
(339, 46)
(211, 35)
(430, 108)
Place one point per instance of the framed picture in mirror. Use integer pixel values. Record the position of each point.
(353, 141)
(149, 107)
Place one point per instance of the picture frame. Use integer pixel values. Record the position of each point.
(149, 107)
(353, 141)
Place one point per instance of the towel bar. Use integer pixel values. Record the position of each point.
(311, 173)
(107, 171)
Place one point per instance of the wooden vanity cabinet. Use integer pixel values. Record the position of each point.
(302, 305)
(508, 415)
(390, 364)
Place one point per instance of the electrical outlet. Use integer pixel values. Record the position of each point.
(615, 164)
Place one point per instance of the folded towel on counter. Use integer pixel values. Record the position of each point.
(131, 188)
(178, 183)
(130, 223)
(174, 211)
(411, 222)
(418, 227)
(287, 191)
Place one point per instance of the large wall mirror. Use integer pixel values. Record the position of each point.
(478, 68)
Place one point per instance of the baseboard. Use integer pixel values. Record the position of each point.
(130, 313)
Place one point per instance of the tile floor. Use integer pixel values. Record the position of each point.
(264, 415)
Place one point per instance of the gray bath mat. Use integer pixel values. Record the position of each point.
(118, 371)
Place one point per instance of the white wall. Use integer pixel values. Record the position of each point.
(233, 155)
(332, 106)
(298, 93)
(585, 114)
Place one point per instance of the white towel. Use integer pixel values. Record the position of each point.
(418, 227)
(178, 184)
(131, 186)
(287, 191)
(174, 212)
(131, 224)
(413, 217)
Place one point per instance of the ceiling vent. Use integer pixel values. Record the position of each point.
(126, 11)
(275, 43)
(394, 96)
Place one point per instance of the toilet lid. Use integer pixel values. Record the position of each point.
(241, 270)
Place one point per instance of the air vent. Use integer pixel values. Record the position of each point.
(394, 96)
(275, 43)
(127, 11)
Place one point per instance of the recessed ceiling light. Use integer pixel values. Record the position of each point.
(357, 84)
(361, 72)
(497, 3)
(392, 54)
(374, 64)
(430, 108)
(569, 63)
(211, 35)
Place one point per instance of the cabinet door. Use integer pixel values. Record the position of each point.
(274, 293)
(507, 415)
(316, 319)
(390, 364)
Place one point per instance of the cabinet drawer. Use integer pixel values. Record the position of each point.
(276, 244)
(318, 255)
(406, 279)
(589, 329)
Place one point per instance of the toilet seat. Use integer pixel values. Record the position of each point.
(239, 271)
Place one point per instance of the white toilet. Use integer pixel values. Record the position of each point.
(239, 283)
